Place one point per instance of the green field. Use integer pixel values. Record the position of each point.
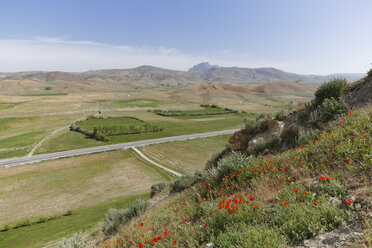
(83, 218)
(203, 111)
(125, 122)
(171, 127)
(140, 102)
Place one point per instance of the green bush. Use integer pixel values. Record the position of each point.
(22, 224)
(48, 88)
(250, 237)
(298, 222)
(289, 137)
(332, 188)
(156, 188)
(68, 213)
(233, 162)
(272, 143)
(136, 209)
(182, 183)
(280, 115)
(5, 228)
(112, 220)
(333, 88)
(306, 136)
(331, 109)
(78, 240)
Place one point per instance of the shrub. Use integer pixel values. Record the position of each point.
(112, 220)
(272, 143)
(280, 115)
(156, 188)
(78, 240)
(212, 163)
(289, 137)
(253, 127)
(248, 236)
(136, 209)
(182, 183)
(48, 88)
(331, 108)
(306, 136)
(5, 228)
(229, 164)
(333, 88)
(332, 188)
(22, 224)
(41, 220)
(68, 213)
(314, 116)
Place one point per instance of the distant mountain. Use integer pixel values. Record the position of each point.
(202, 67)
(149, 76)
(243, 75)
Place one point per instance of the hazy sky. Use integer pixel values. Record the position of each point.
(301, 36)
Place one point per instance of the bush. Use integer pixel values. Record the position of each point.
(272, 143)
(289, 137)
(48, 88)
(229, 164)
(5, 228)
(331, 108)
(314, 116)
(333, 88)
(68, 213)
(280, 115)
(369, 73)
(332, 188)
(305, 137)
(79, 240)
(156, 188)
(248, 236)
(22, 224)
(182, 183)
(112, 220)
(114, 217)
(212, 163)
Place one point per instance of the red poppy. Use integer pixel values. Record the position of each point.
(141, 224)
(348, 201)
(165, 233)
(206, 224)
(362, 131)
(255, 206)
(315, 203)
(285, 204)
(303, 192)
(140, 245)
(295, 191)
(184, 219)
(322, 178)
(174, 242)
(348, 159)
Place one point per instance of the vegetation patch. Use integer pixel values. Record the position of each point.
(140, 102)
(47, 94)
(206, 110)
(99, 127)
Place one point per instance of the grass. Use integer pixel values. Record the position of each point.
(272, 199)
(47, 94)
(203, 111)
(51, 187)
(22, 140)
(140, 102)
(13, 153)
(110, 122)
(171, 127)
(83, 218)
(174, 155)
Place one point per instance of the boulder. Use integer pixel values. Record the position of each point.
(238, 141)
(273, 126)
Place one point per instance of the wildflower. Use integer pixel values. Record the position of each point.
(315, 203)
(348, 201)
(255, 206)
(304, 192)
(174, 242)
(140, 245)
(165, 233)
(298, 203)
(141, 224)
(295, 191)
(362, 131)
(285, 204)
(322, 178)
(206, 224)
(348, 159)
(184, 219)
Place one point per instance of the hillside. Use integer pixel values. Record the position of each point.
(306, 195)
(146, 76)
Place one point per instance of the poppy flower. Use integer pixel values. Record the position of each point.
(303, 192)
(141, 224)
(255, 206)
(315, 203)
(184, 219)
(322, 178)
(165, 233)
(295, 191)
(174, 242)
(348, 159)
(206, 224)
(362, 131)
(285, 204)
(348, 201)
(140, 245)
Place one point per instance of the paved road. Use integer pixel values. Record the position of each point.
(50, 156)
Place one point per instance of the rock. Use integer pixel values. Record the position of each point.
(274, 126)
(337, 238)
(209, 245)
(238, 141)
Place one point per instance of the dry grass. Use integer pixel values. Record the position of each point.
(56, 186)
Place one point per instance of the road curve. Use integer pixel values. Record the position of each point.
(70, 153)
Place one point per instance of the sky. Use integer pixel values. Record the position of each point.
(300, 36)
